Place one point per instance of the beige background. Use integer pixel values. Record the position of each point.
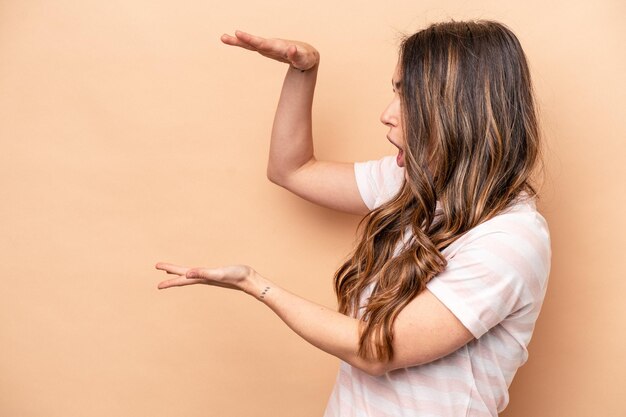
(130, 135)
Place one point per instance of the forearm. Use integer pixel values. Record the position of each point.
(324, 328)
(291, 143)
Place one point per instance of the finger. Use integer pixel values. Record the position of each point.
(171, 268)
(252, 40)
(179, 282)
(233, 41)
(273, 48)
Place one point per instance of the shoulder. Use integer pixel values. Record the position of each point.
(498, 268)
(519, 225)
(515, 242)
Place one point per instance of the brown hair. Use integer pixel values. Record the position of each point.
(471, 145)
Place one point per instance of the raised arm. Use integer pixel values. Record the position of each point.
(292, 163)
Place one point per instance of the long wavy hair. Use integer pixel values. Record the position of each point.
(472, 141)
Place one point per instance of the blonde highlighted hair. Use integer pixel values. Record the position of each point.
(471, 146)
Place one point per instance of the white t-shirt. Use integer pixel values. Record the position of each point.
(494, 283)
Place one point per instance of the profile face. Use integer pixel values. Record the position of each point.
(392, 117)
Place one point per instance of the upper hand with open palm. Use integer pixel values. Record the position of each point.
(299, 55)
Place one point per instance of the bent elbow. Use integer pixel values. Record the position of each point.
(274, 176)
(280, 174)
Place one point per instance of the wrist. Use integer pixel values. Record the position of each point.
(257, 286)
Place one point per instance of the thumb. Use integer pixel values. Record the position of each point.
(194, 273)
(292, 54)
(300, 58)
(205, 273)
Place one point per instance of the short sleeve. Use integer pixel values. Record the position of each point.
(491, 277)
(378, 180)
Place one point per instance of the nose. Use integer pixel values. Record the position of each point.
(390, 116)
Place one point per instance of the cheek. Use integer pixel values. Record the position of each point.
(400, 119)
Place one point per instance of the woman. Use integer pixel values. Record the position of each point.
(438, 301)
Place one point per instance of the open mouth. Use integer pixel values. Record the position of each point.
(400, 158)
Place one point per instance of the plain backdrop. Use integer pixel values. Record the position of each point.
(130, 135)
